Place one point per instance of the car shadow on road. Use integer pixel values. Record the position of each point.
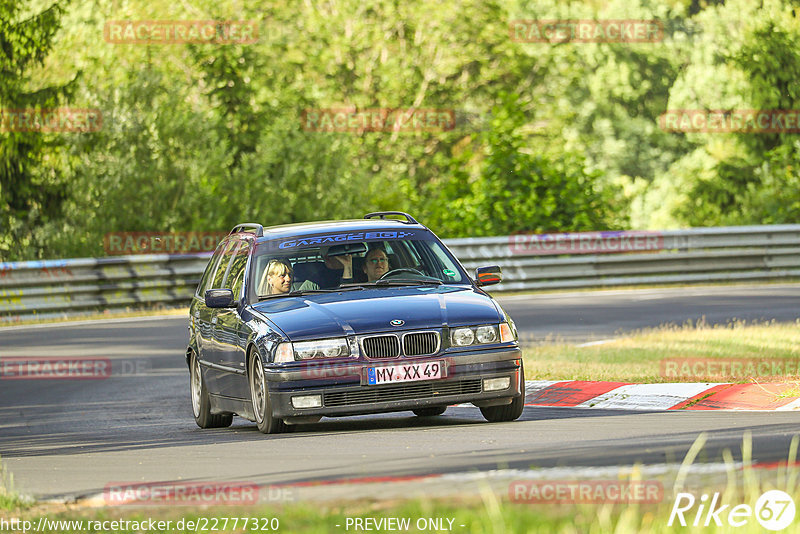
(45, 430)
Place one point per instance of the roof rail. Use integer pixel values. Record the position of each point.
(383, 214)
(259, 230)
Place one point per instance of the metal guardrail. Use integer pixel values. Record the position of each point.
(55, 288)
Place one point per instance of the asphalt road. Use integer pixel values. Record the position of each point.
(65, 438)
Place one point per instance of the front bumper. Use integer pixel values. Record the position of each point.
(343, 388)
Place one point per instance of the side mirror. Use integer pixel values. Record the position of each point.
(487, 276)
(220, 298)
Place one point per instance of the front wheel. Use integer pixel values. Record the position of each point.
(201, 404)
(259, 393)
(508, 412)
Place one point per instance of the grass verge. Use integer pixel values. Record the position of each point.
(489, 512)
(638, 356)
(10, 500)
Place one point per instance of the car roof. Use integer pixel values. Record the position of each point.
(349, 225)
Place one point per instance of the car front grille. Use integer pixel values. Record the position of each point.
(389, 345)
(400, 392)
(381, 346)
(420, 343)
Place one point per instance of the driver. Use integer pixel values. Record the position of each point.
(376, 264)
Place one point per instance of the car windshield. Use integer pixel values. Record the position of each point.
(305, 266)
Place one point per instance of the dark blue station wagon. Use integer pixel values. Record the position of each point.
(295, 322)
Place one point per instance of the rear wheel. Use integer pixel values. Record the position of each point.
(432, 411)
(259, 393)
(508, 412)
(201, 404)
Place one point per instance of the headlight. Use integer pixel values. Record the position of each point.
(324, 348)
(462, 337)
(486, 334)
(481, 335)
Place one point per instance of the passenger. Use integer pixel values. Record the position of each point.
(277, 279)
(341, 268)
(376, 264)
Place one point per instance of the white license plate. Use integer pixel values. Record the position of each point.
(405, 372)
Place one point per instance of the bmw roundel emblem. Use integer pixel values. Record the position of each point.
(397, 322)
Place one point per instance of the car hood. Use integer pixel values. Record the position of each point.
(370, 310)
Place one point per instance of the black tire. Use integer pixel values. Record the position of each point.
(431, 411)
(508, 412)
(259, 394)
(201, 404)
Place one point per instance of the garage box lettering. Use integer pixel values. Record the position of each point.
(328, 239)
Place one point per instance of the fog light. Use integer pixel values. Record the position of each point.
(307, 401)
(496, 384)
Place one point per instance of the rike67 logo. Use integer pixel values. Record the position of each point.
(774, 510)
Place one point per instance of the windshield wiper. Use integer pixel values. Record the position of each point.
(309, 292)
(396, 282)
(407, 281)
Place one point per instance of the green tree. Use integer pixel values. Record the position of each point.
(512, 189)
(749, 59)
(32, 188)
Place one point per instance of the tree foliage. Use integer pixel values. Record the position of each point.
(548, 136)
(31, 185)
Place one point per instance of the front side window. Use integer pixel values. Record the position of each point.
(210, 269)
(228, 254)
(235, 278)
